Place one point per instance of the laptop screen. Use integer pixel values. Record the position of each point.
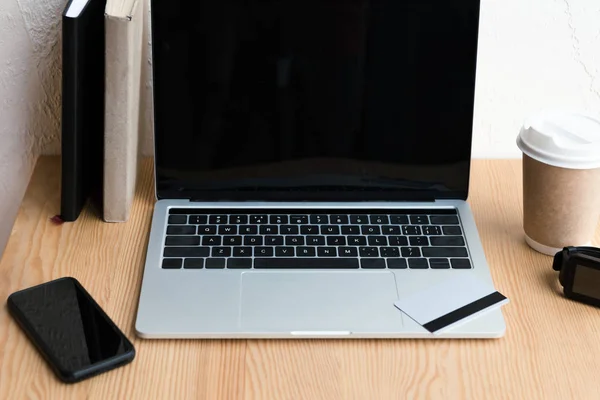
(330, 100)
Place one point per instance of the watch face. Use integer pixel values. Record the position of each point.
(586, 281)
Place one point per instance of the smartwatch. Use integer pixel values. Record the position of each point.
(579, 273)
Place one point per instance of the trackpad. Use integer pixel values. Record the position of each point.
(319, 301)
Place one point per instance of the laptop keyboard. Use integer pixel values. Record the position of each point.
(295, 239)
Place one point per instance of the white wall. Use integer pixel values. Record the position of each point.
(29, 96)
(533, 54)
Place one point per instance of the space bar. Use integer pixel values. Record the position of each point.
(305, 263)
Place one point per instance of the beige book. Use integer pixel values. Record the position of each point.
(124, 24)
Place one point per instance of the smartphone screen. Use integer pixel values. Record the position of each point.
(69, 328)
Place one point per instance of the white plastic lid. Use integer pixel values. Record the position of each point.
(562, 139)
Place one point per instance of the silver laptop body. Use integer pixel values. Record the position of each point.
(305, 184)
(225, 303)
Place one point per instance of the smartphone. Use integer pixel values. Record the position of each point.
(73, 334)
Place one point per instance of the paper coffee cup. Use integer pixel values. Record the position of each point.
(561, 180)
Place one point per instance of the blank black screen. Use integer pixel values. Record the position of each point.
(301, 99)
(70, 328)
(586, 281)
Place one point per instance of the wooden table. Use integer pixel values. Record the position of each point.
(551, 348)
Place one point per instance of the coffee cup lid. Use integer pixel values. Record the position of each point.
(562, 139)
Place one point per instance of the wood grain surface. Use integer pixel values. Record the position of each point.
(551, 348)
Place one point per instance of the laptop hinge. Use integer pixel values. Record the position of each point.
(316, 200)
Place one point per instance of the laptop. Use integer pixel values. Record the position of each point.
(312, 163)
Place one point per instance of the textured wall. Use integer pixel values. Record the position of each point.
(533, 54)
(29, 95)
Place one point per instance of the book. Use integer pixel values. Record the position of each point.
(124, 24)
(82, 106)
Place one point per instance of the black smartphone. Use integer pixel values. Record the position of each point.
(73, 334)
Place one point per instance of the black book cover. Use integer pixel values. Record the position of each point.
(82, 106)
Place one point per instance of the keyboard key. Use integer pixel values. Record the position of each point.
(299, 219)
(389, 252)
(306, 252)
(397, 263)
(315, 240)
(336, 240)
(444, 220)
(178, 219)
(379, 219)
(306, 263)
(181, 230)
(326, 251)
(371, 230)
(232, 240)
(211, 241)
(369, 252)
(377, 241)
(253, 241)
(193, 263)
(445, 252)
(439, 263)
(207, 230)
(411, 252)
(284, 252)
(431, 230)
(242, 251)
(350, 230)
(263, 252)
(419, 219)
(198, 219)
(217, 219)
(359, 219)
(330, 230)
(357, 241)
(278, 219)
(274, 240)
(460, 263)
(399, 219)
(227, 230)
(398, 240)
(215, 263)
(319, 219)
(348, 252)
(372, 263)
(418, 241)
(238, 219)
(294, 240)
(259, 219)
(269, 230)
(182, 241)
(239, 263)
(186, 252)
(391, 230)
(340, 219)
(289, 230)
(221, 251)
(248, 230)
(172, 263)
(418, 263)
(447, 241)
(309, 230)
(411, 230)
(451, 230)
